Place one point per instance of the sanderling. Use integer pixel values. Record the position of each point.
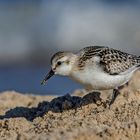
(96, 68)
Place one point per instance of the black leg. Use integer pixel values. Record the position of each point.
(114, 96)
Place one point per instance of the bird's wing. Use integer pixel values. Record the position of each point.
(112, 61)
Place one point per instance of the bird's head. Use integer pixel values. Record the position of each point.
(61, 64)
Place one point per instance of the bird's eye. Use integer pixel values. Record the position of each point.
(59, 63)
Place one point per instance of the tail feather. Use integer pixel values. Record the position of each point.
(138, 61)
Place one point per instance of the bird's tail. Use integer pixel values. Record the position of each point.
(138, 59)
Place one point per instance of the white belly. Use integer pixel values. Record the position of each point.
(97, 79)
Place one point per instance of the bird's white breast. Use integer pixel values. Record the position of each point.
(94, 77)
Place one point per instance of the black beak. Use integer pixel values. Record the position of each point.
(47, 77)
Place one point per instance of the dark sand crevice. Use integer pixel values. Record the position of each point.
(56, 105)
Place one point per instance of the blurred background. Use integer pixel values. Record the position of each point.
(32, 30)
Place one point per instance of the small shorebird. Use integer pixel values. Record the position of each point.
(96, 67)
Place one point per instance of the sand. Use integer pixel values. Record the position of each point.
(71, 117)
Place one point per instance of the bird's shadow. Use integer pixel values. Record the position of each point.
(58, 104)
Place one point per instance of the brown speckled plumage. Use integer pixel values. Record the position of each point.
(113, 61)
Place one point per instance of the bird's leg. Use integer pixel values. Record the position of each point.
(116, 93)
(114, 96)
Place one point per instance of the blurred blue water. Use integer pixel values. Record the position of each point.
(27, 80)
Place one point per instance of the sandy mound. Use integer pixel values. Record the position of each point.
(71, 117)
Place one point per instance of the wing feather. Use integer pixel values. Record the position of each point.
(112, 61)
